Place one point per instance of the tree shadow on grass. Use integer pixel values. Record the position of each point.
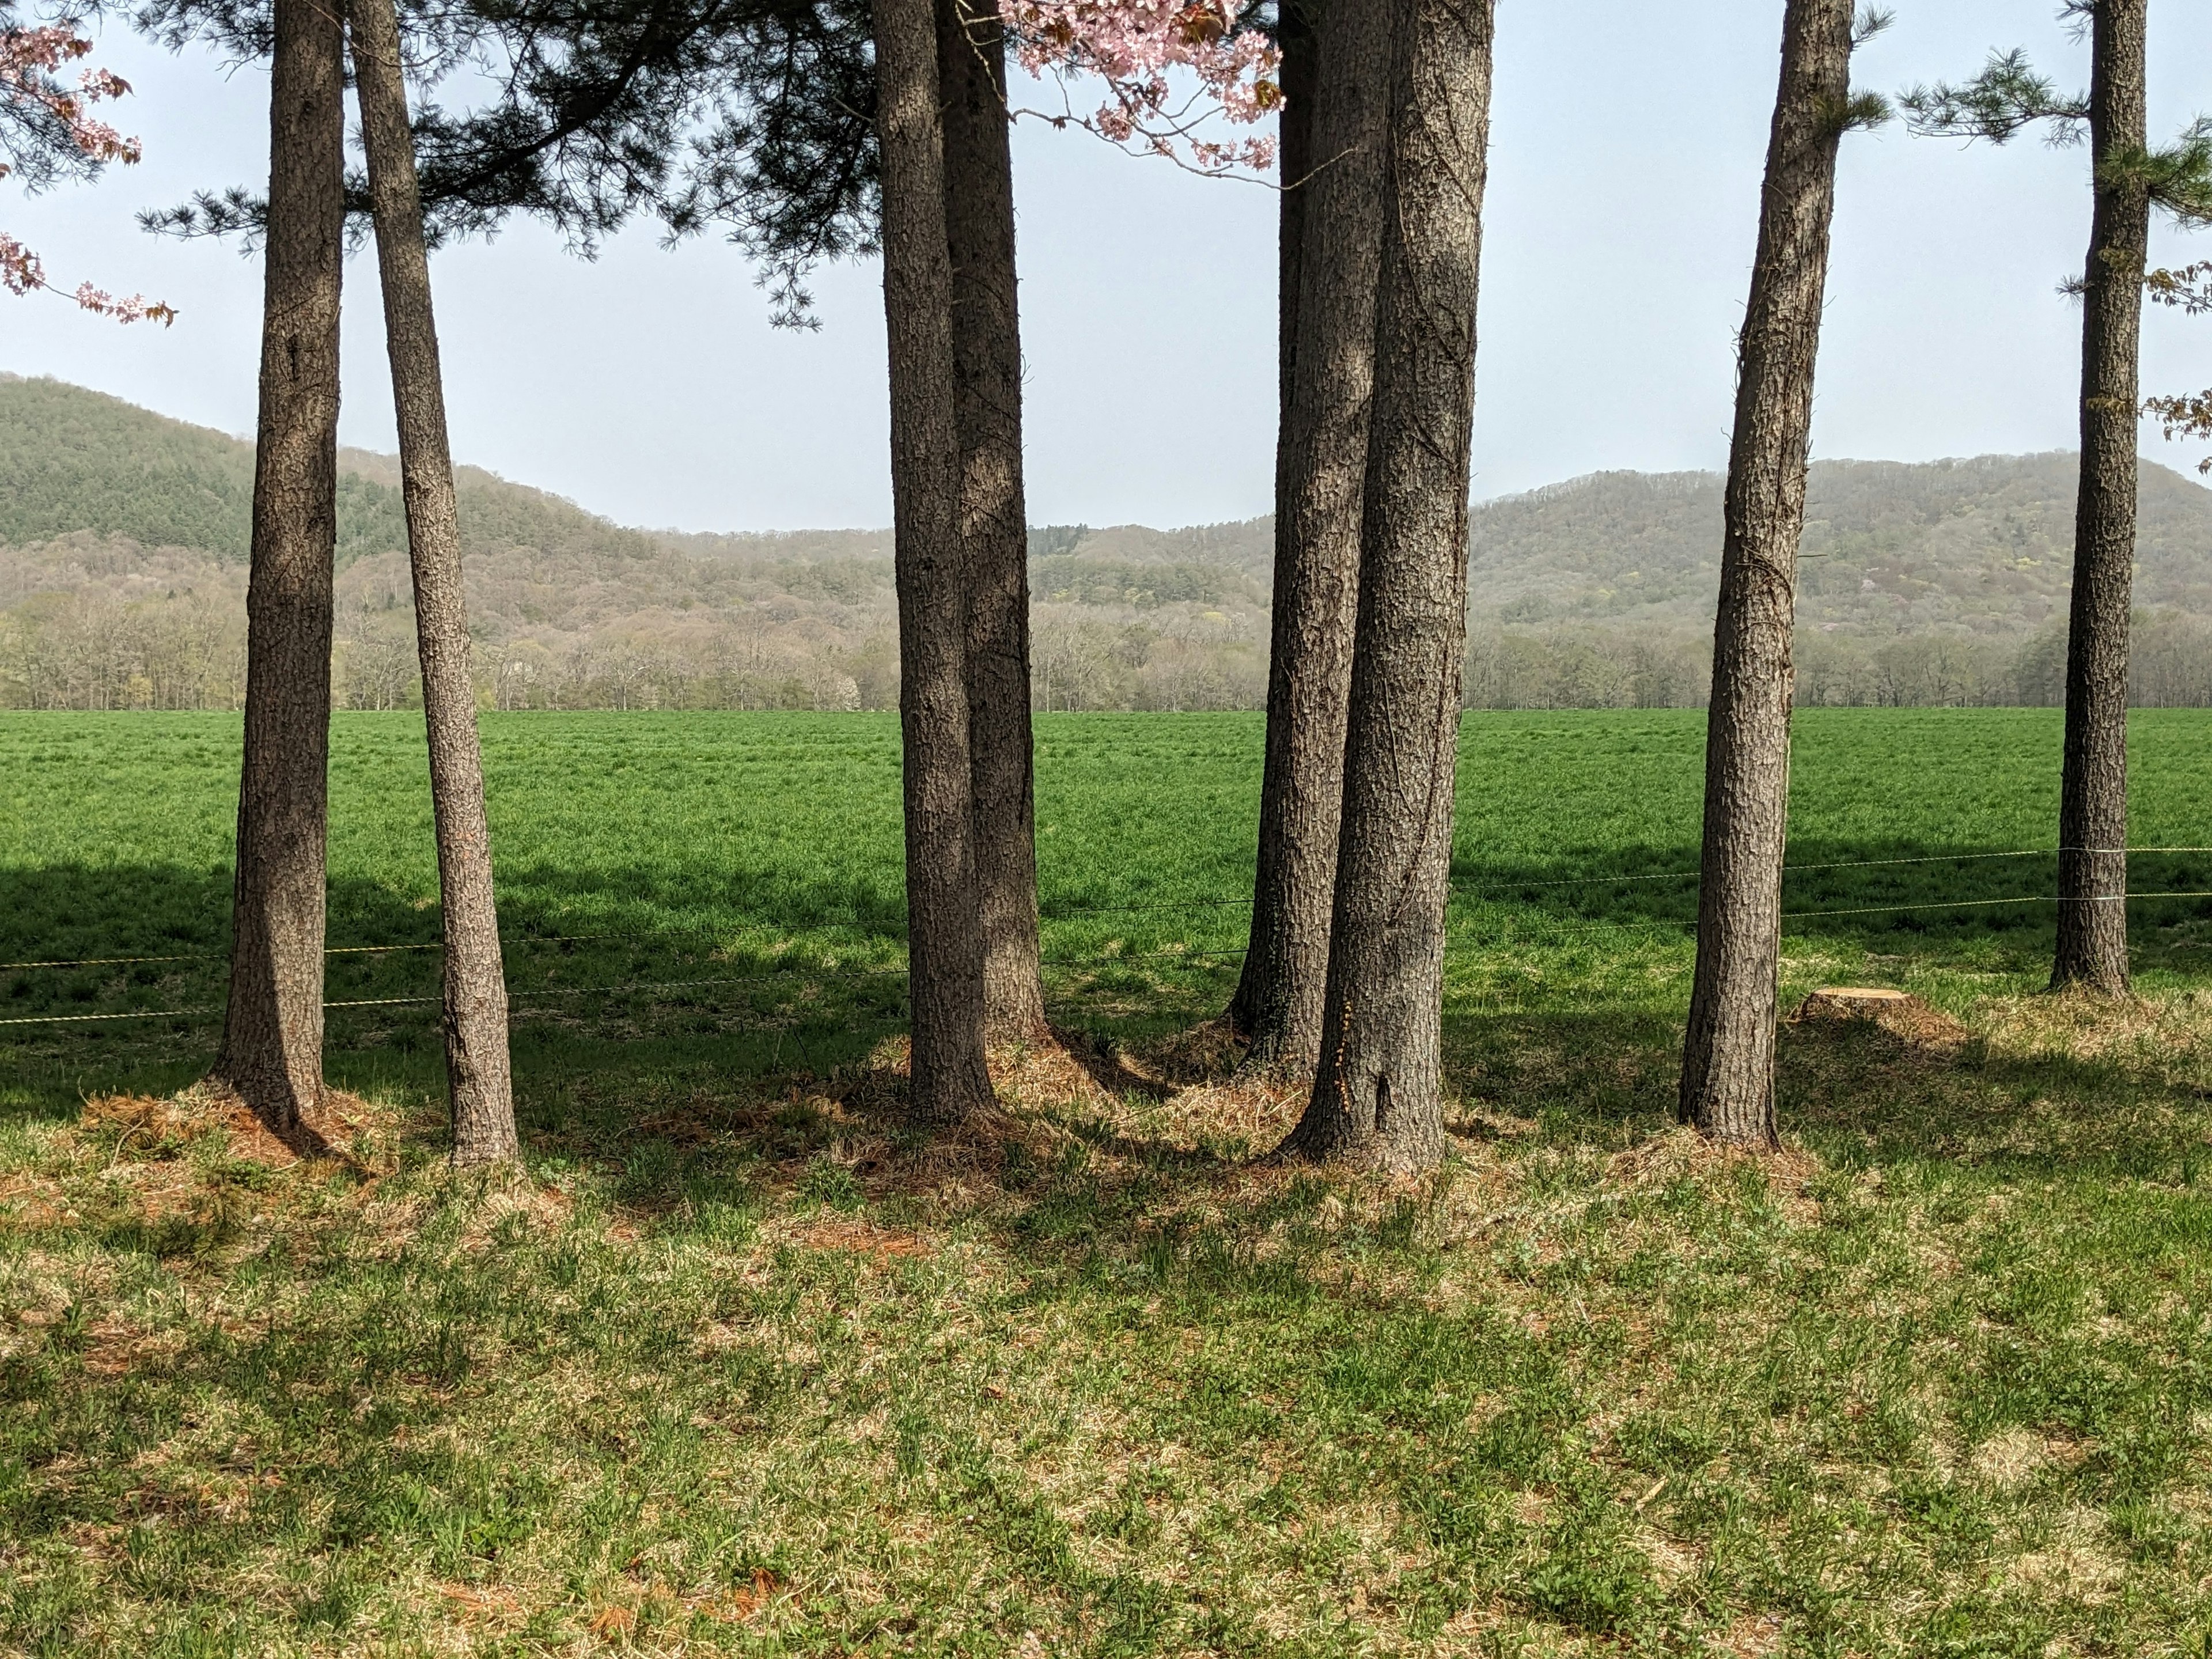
(1882, 896)
(2058, 1088)
(1106, 1063)
(1607, 1074)
(636, 994)
(1103, 1157)
(1081, 1204)
(1862, 1094)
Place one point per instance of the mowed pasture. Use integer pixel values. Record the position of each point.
(739, 1363)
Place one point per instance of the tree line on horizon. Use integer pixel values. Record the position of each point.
(155, 632)
(124, 541)
(895, 139)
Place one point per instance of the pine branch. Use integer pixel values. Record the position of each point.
(2004, 101)
(752, 116)
(2177, 178)
(236, 212)
(1862, 112)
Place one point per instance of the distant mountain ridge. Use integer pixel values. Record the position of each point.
(124, 536)
(1984, 544)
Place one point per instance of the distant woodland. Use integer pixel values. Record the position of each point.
(124, 541)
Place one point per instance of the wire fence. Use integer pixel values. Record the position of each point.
(1066, 912)
(630, 987)
(1551, 929)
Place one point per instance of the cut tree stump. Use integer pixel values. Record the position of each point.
(1897, 1012)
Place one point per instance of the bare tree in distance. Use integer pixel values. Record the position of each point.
(987, 362)
(1377, 1094)
(1727, 1057)
(2130, 179)
(945, 940)
(272, 1039)
(1335, 131)
(477, 1072)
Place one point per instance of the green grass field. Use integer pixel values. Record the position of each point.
(744, 1366)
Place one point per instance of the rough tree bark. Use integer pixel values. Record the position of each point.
(2092, 807)
(477, 1072)
(1332, 232)
(1728, 1058)
(1262, 972)
(1377, 1094)
(1298, 76)
(272, 1038)
(986, 364)
(944, 941)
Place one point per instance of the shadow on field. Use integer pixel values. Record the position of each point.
(1658, 885)
(592, 1058)
(626, 1000)
(1102, 1152)
(1858, 1094)
(83, 910)
(547, 899)
(1106, 1063)
(2073, 1088)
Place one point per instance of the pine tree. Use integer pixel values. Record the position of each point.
(2131, 181)
(272, 1040)
(986, 359)
(945, 943)
(477, 1070)
(1728, 1058)
(1334, 132)
(1377, 1094)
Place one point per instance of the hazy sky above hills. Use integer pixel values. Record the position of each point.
(1626, 159)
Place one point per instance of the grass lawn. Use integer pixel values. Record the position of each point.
(738, 1364)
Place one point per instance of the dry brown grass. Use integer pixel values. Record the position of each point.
(1260, 1395)
(1901, 1015)
(207, 1109)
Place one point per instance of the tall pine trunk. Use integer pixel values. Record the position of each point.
(1728, 1060)
(272, 1038)
(1297, 74)
(2092, 803)
(945, 939)
(476, 1064)
(986, 365)
(1377, 1094)
(1337, 87)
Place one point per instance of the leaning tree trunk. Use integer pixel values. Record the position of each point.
(1728, 1058)
(272, 1038)
(476, 1065)
(944, 941)
(1331, 248)
(2093, 801)
(986, 364)
(1377, 1096)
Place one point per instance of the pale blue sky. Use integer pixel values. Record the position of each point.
(1625, 158)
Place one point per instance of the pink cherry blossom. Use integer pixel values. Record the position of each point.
(30, 61)
(1134, 46)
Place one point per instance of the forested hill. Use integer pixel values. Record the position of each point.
(1985, 545)
(124, 538)
(73, 460)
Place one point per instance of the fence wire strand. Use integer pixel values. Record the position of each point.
(798, 977)
(1547, 929)
(1206, 902)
